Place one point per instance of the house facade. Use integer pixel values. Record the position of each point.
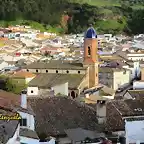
(23, 77)
(114, 77)
(134, 129)
(136, 56)
(3, 65)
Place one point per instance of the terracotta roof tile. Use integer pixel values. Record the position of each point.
(21, 74)
(55, 114)
(7, 128)
(119, 109)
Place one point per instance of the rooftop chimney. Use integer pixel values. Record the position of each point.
(24, 99)
(101, 111)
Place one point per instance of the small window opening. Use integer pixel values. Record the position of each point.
(67, 71)
(46, 71)
(56, 71)
(31, 91)
(37, 71)
(89, 51)
(79, 72)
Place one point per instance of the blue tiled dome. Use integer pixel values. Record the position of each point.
(90, 33)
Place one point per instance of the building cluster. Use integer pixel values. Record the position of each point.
(83, 88)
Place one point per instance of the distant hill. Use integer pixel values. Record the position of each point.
(74, 16)
(99, 3)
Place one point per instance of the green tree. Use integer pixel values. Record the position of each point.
(14, 86)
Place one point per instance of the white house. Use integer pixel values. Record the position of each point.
(58, 89)
(138, 84)
(3, 64)
(135, 69)
(135, 56)
(134, 129)
(27, 123)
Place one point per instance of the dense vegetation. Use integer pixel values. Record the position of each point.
(74, 16)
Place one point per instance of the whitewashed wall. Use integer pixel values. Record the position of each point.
(30, 120)
(121, 79)
(32, 91)
(13, 139)
(62, 89)
(134, 131)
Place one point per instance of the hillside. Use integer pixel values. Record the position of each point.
(74, 16)
(103, 3)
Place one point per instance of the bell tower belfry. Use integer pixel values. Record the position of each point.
(91, 56)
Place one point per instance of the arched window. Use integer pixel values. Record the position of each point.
(89, 51)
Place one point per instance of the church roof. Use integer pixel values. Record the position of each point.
(55, 64)
(90, 33)
(48, 80)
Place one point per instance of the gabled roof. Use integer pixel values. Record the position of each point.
(21, 74)
(79, 134)
(7, 128)
(25, 132)
(137, 94)
(55, 114)
(117, 110)
(48, 80)
(55, 64)
(12, 101)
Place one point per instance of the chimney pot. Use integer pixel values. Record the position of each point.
(24, 92)
(24, 99)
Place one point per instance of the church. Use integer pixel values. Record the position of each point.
(64, 77)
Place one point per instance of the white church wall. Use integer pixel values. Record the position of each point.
(62, 89)
(66, 71)
(32, 91)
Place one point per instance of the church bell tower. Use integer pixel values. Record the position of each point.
(91, 56)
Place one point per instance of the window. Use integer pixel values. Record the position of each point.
(27, 70)
(31, 91)
(79, 72)
(89, 51)
(67, 71)
(23, 122)
(56, 71)
(46, 71)
(36, 70)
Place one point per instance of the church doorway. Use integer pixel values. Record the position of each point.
(73, 95)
